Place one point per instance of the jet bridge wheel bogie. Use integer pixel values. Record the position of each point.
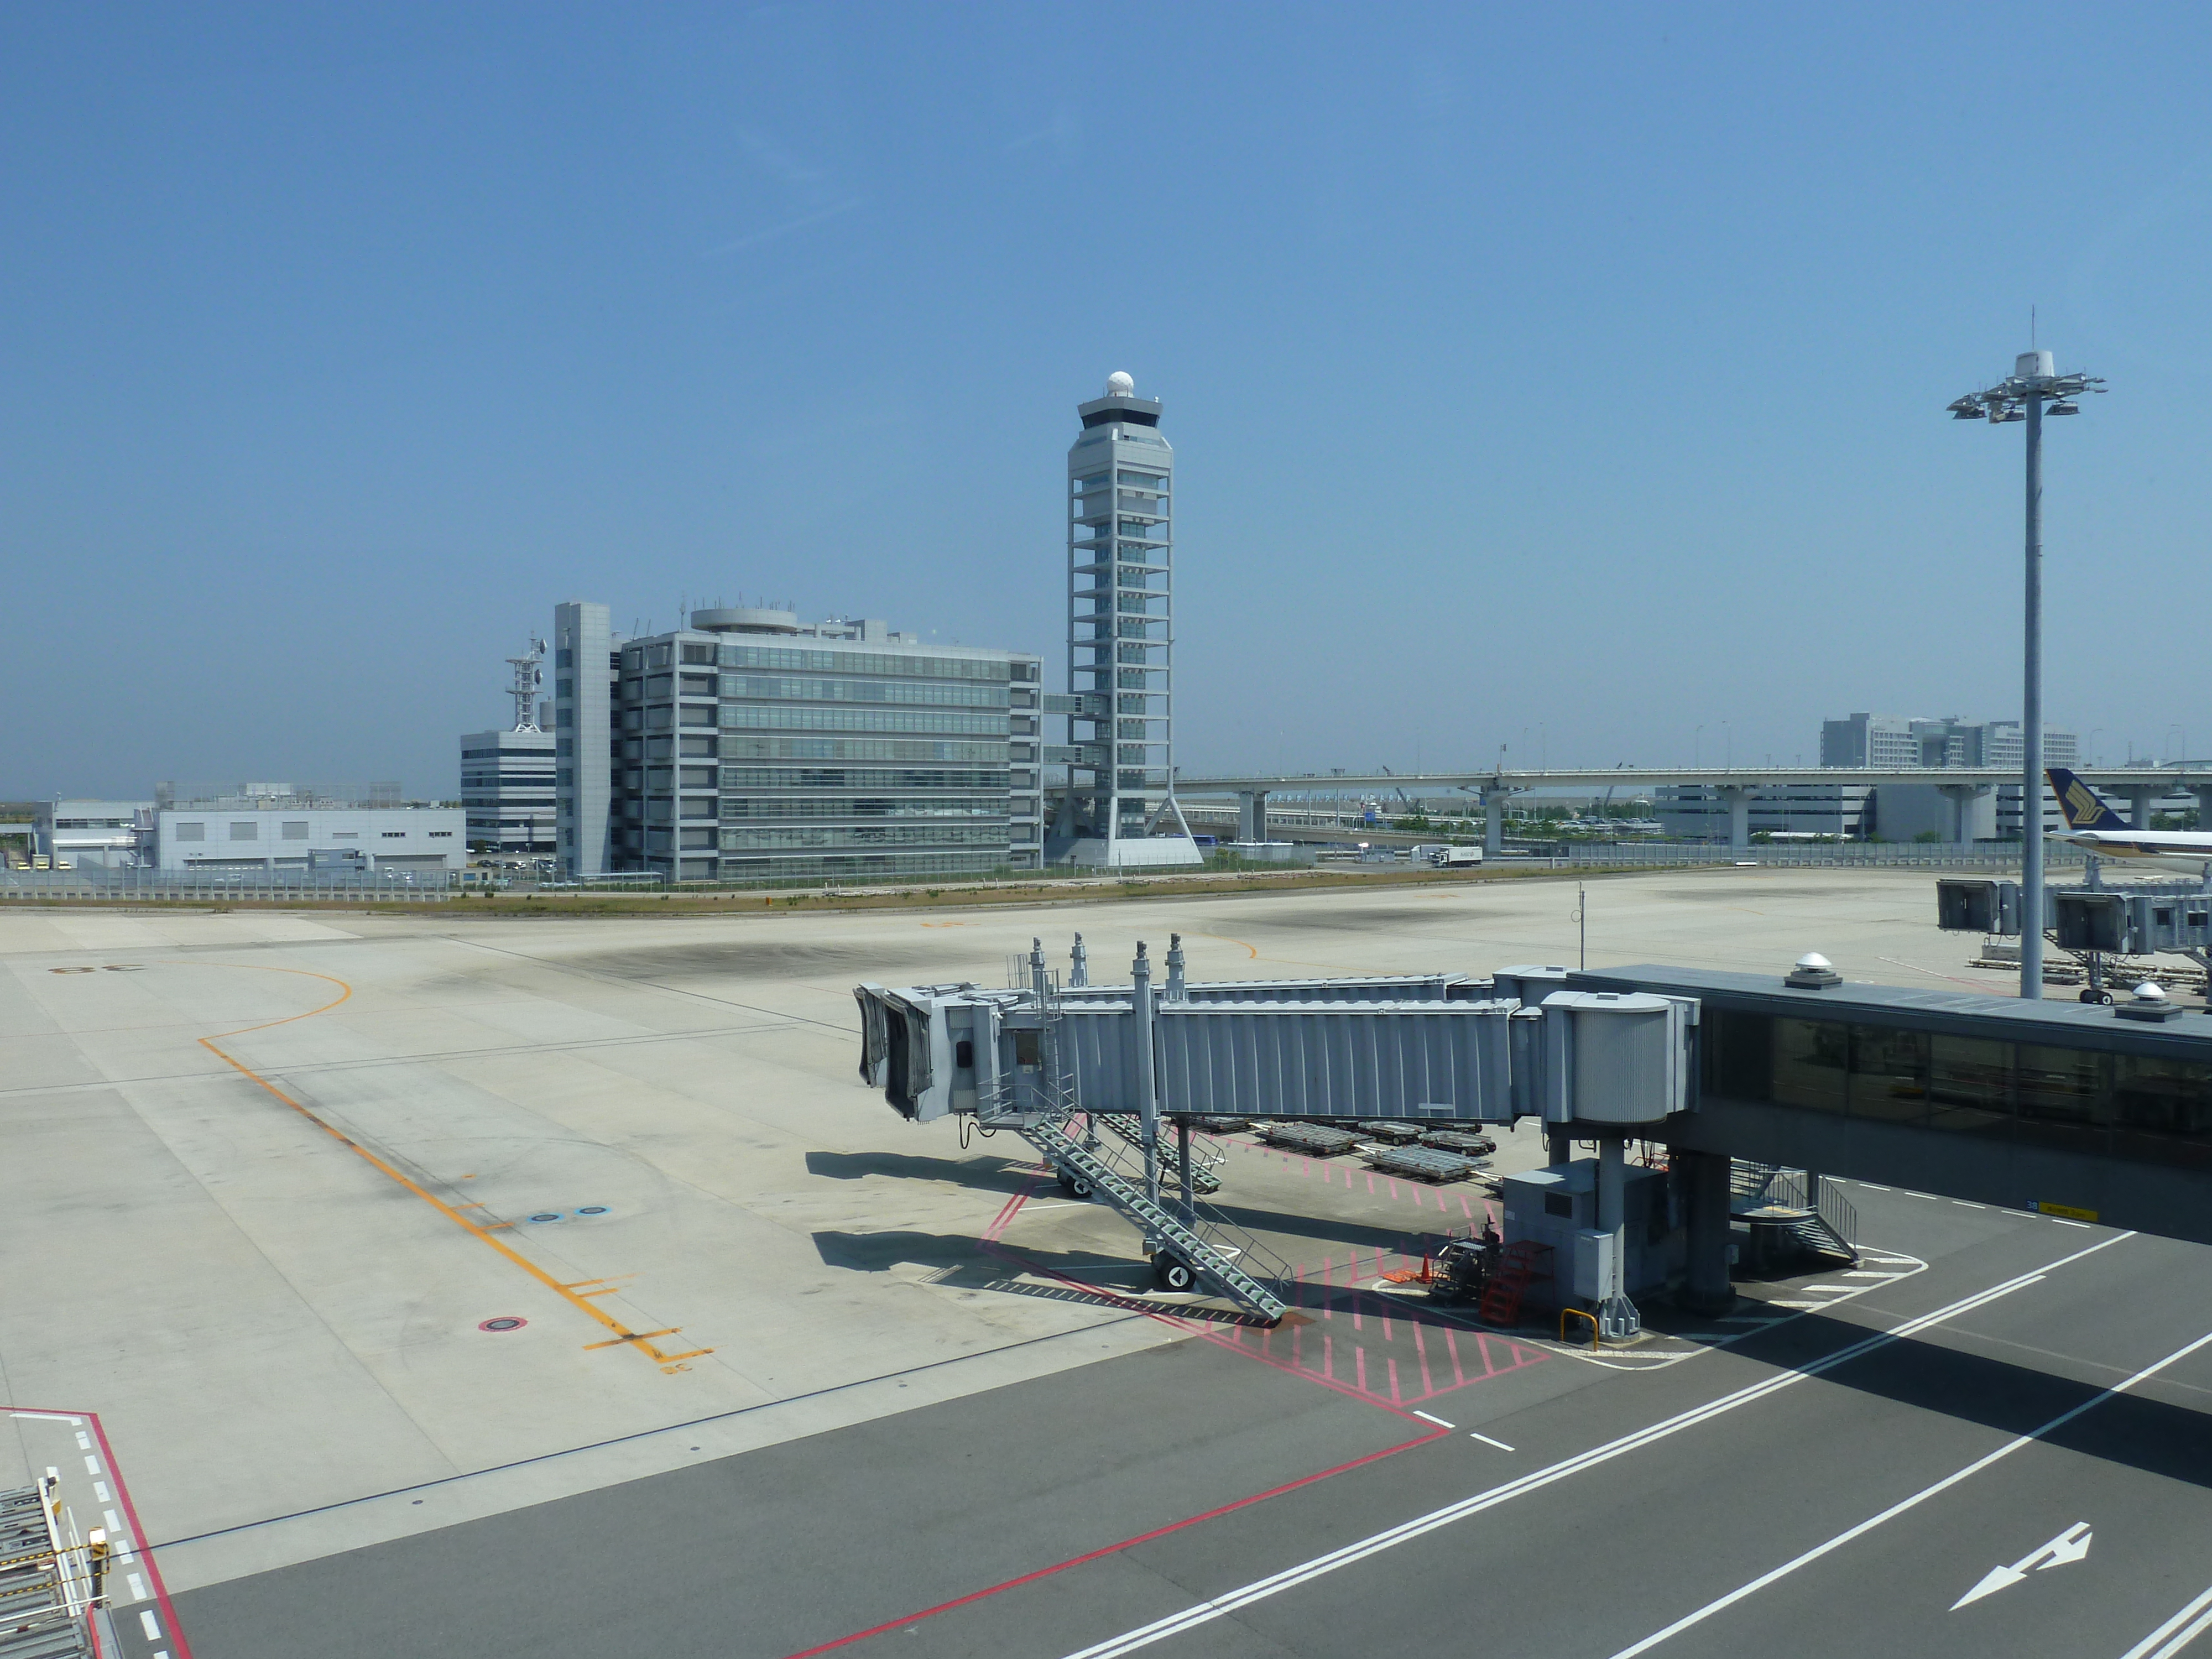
(1075, 1184)
(1173, 1272)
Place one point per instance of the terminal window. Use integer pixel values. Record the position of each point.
(192, 832)
(296, 830)
(248, 830)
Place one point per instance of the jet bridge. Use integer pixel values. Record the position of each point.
(1049, 1063)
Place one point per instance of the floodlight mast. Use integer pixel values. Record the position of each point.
(2021, 397)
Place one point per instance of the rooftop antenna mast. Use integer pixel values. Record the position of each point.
(528, 677)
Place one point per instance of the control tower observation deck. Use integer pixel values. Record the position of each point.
(1120, 643)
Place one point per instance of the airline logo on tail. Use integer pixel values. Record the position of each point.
(2079, 804)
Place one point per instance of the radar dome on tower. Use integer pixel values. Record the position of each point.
(1120, 385)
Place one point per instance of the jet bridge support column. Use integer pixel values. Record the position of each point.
(1617, 1314)
(1140, 1067)
(1705, 1191)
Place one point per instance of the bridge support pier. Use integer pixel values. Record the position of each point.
(2203, 806)
(1493, 819)
(1251, 816)
(1962, 797)
(2139, 807)
(1706, 1286)
(1738, 797)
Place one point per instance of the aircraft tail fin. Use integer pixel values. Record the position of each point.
(2078, 803)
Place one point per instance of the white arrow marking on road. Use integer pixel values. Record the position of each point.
(2072, 1545)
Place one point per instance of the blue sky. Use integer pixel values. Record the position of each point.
(1568, 378)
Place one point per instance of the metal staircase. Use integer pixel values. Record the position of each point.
(1202, 1178)
(47, 1590)
(1213, 1266)
(1765, 1192)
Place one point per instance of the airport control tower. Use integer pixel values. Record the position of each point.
(1118, 807)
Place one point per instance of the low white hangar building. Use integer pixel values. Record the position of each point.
(275, 828)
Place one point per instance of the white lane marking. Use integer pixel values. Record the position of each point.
(1844, 1289)
(1438, 1421)
(1872, 1274)
(150, 1625)
(92, 1465)
(1688, 1620)
(2072, 1545)
(83, 1441)
(1963, 1204)
(1779, 1302)
(138, 1588)
(1031, 1209)
(1871, 1187)
(2194, 1616)
(100, 1490)
(1488, 1440)
(2063, 1222)
(43, 1416)
(114, 1524)
(1259, 1591)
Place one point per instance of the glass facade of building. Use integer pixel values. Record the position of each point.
(766, 751)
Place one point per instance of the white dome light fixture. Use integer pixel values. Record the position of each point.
(1120, 385)
(1813, 973)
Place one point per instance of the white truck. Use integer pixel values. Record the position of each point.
(1455, 858)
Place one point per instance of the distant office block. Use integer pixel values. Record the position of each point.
(506, 777)
(507, 790)
(751, 746)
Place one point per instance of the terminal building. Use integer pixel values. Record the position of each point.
(506, 777)
(1114, 804)
(750, 746)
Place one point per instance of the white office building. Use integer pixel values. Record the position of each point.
(506, 777)
(751, 746)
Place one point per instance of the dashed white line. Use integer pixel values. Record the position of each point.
(1846, 1290)
(151, 1626)
(83, 1441)
(1963, 1204)
(1872, 1274)
(2063, 1222)
(1488, 1440)
(100, 1490)
(1438, 1421)
(115, 1523)
(92, 1465)
(138, 1588)
(46, 1417)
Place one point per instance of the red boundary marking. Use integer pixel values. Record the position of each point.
(992, 1245)
(1111, 1549)
(180, 1648)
